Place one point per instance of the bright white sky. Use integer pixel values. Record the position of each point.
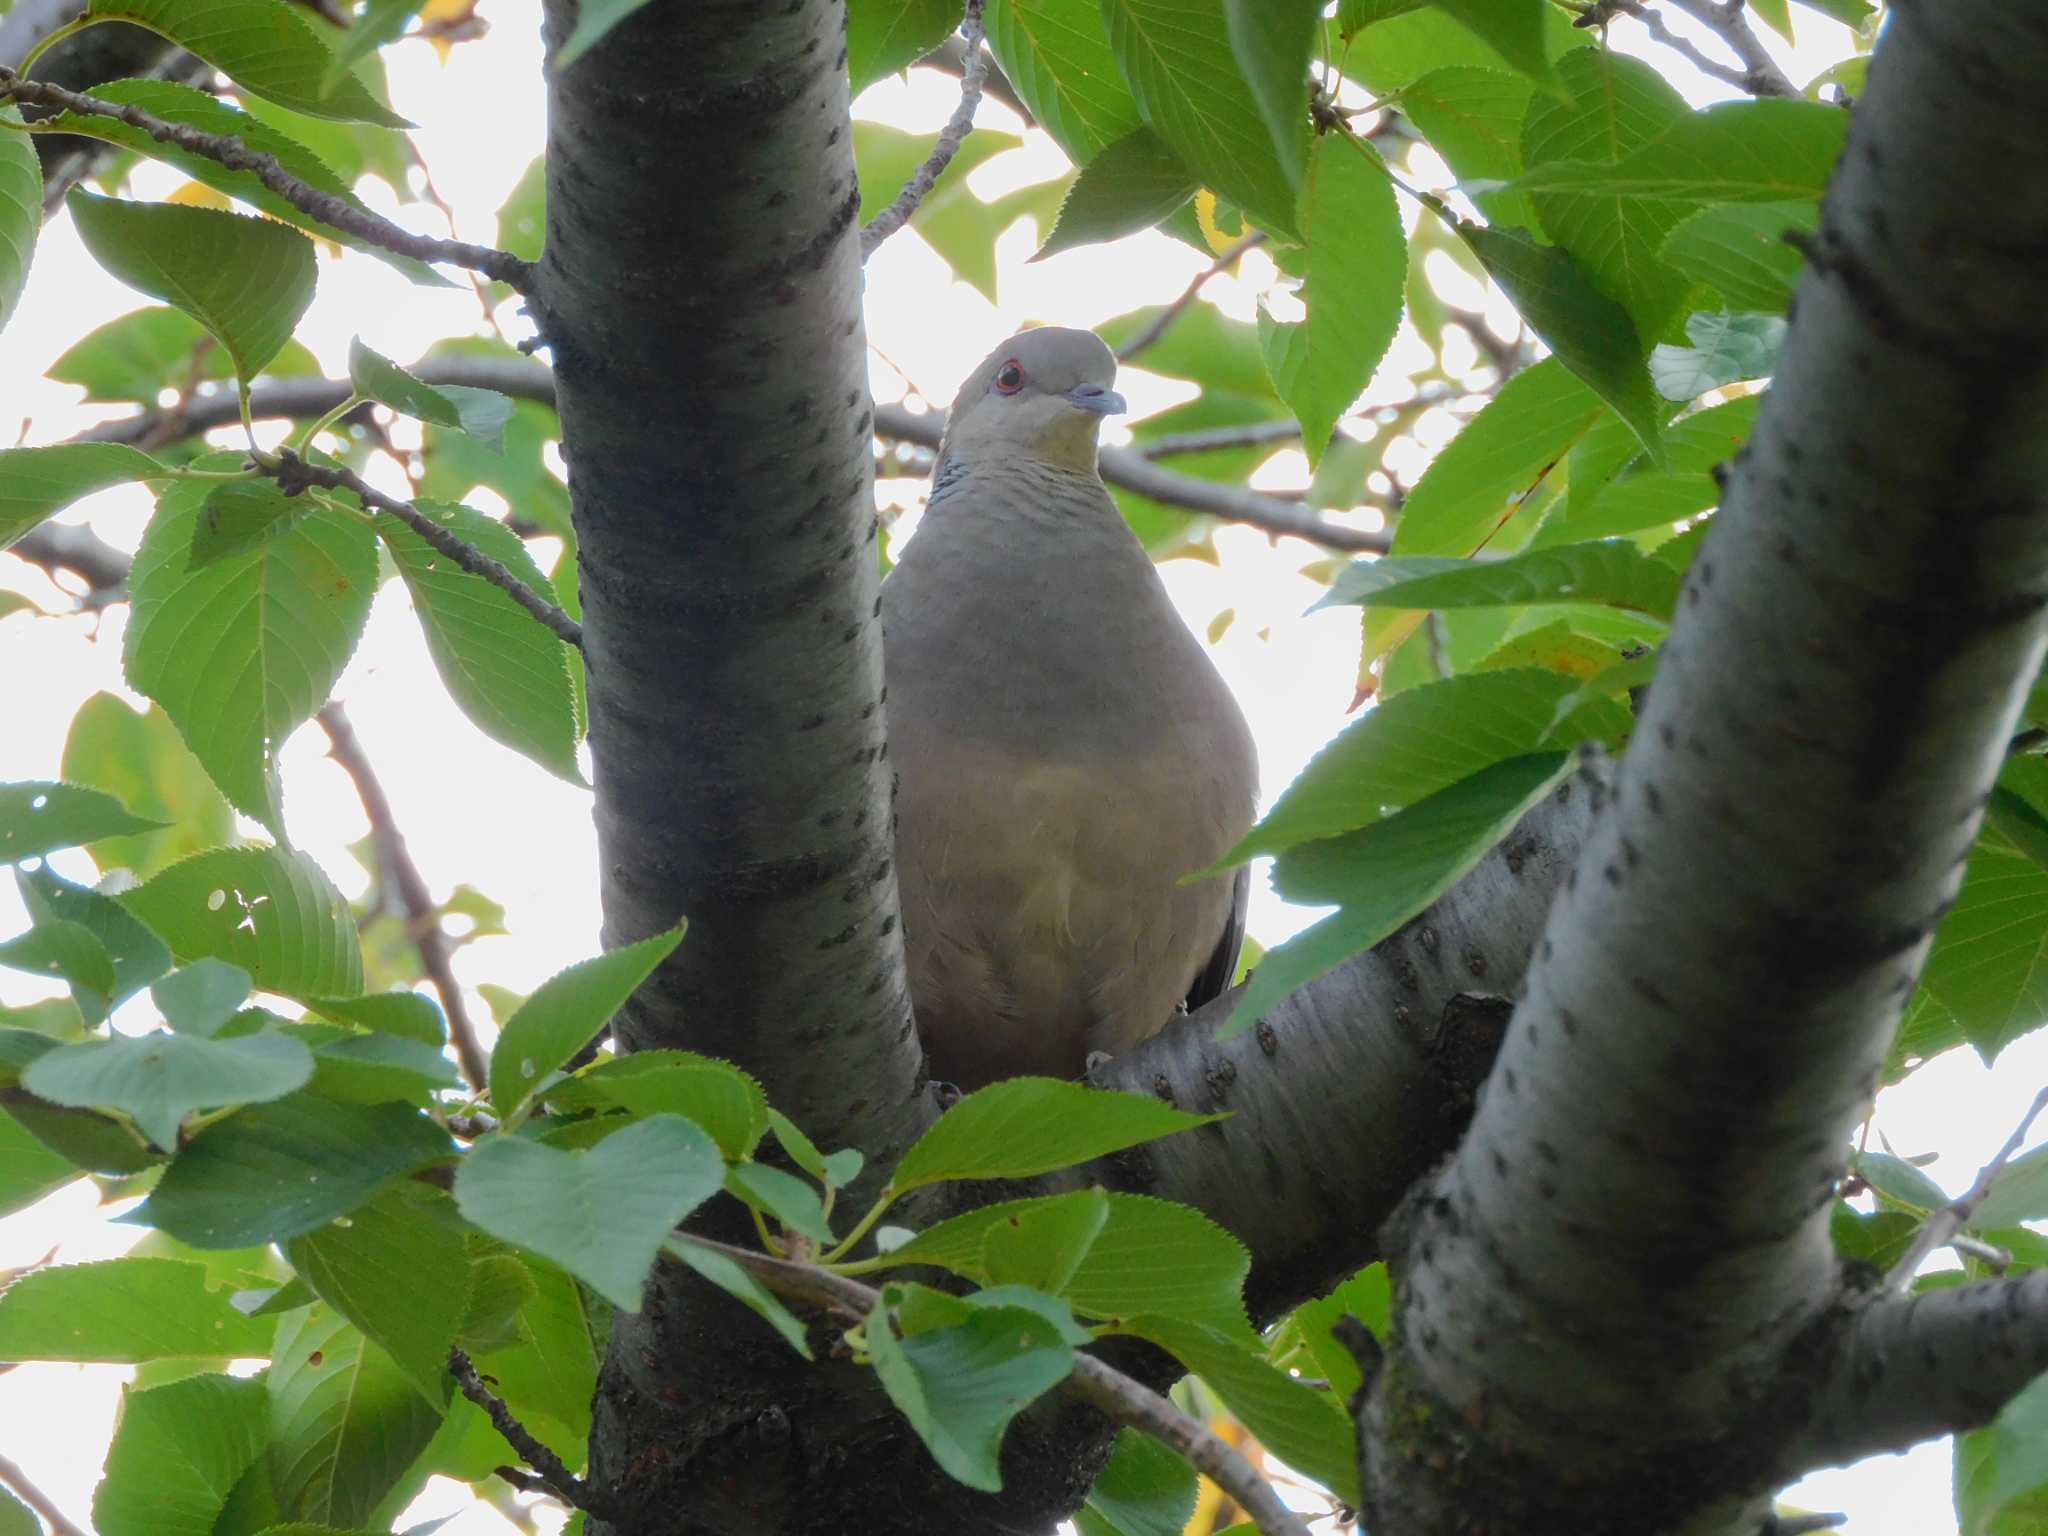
(474, 812)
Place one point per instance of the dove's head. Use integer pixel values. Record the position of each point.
(1042, 394)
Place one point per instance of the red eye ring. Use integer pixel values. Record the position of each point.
(1009, 377)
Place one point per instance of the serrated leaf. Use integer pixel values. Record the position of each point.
(138, 756)
(396, 1268)
(371, 1069)
(594, 21)
(182, 104)
(1273, 41)
(602, 1214)
(552, 1371)
(281, 57)
(1513, 29)
(565, 1013)
(200, 998)
(725, 1102)
(1056, 55)
(242, 650)
(1030, 1125)
(376, 377)
(240, 516)
(792, 1202)
(36, 483)
(1144, 1489)
(125, 1311)
(21, 209)
(409, 1015)
(1356, 269)
(274, 914)
(68, 952)
(273, 1171)
(960, 1386)
(136, 356)
(1725, 349)
(509, 673)
(139, 955)
(1367, 1296)
(1043, 1243)
(345, 1422)
(29, 1169)
(1610, 571)
(1383, 874)
(1590, 333)
(246, 280)
(1989, 962)
(1131, 185)
(885, 36)
(1176, 56)
(1404, 42)
(745, 1289)
(1738, 152)
(1473, 118)
(1741, 250)
(161, 1077)
(837, 1171)
(177, 1454)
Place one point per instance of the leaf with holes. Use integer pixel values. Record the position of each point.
(36, 483)
(273, 913)
(1726, 349)
(1131, 185)
(246, 280)
(508, 672)
(1031, 1125)
(242, 650)
(278, 56)
(565, 1013)
(1055, 54)
(39, 815)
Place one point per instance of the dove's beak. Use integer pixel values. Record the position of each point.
(1093, 397)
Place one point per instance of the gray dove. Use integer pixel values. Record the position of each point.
(1065, 750)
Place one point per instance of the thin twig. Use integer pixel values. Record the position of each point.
(950, 58)
(1759, 74)
(237, 156)
(566, 1484)
(1189, 294)
(294, 474)
(1104, 1387)
(36, 1499)
(1941, 1226)
(1256, 434)
(951, 137)
(417, 908)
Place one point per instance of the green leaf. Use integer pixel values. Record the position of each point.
(1850, 13)
(1177, 58)
(370, 1069)
(836, 1171)
(523, 216)
(565, 1013)
(177, 1454)
(885, 36)
(29, 1169)
(1150, 1256)
(594, 21)
(176, 103)
(1401, 42)
(2018, 1193)
(457, 462)
(159, 1078)
(246, 280)
(396, 1268)
(273, 913)
(1738, 152)
(1056, 55)
(124, 1311)
(1725, 350)
(1367, 1296)
(1273, 41)
(376, 377)
(21, 210)
(1357, 266)
(1412, 745)
(409, 1015)
(282, 58)
(2003, 1465)
(782, 1195)
(1599, 504)
(242, 650)
(1513, 29)
(380, 22)
(36, 483)
(240, 516)
(138, 757)
(1144, 1489)
(70, 953)
(1610, 571)
(1305, 1428)
(552, 1371)
(1030, 1125)
(137, 356)
(725, 1102)
(273, 1171)
(1740, 250)
(744, 1288)
(1043, 1243)
(1989, 962)
(1473, 118)
(960, 1386)
(507, 672)
(1131, 185)
(139, 956)
(603, 1213)
(1385, 873)
(203, 996)
(15, 1517)
(483, 413)
(345, 1422)
(1590, 333)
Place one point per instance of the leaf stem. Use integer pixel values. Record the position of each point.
(861, 1228)
(306, 436)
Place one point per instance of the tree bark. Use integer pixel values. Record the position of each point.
(1615, 1300)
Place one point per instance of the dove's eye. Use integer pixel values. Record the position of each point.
(1009, 378)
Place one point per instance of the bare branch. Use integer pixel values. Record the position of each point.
(417, 908)
(295, 474)
(237, 156)
(1102, 1386)
(13, 1477)
(1251, 435)
(1189, 294)
(950, 58)
(1941, 1226)
(1759, 74)
(951, 137)
(558, 1477)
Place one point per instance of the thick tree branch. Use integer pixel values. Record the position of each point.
(1099, 1385)
(237, 156)
(1854, 643)
(417, 910)
(951, 137)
